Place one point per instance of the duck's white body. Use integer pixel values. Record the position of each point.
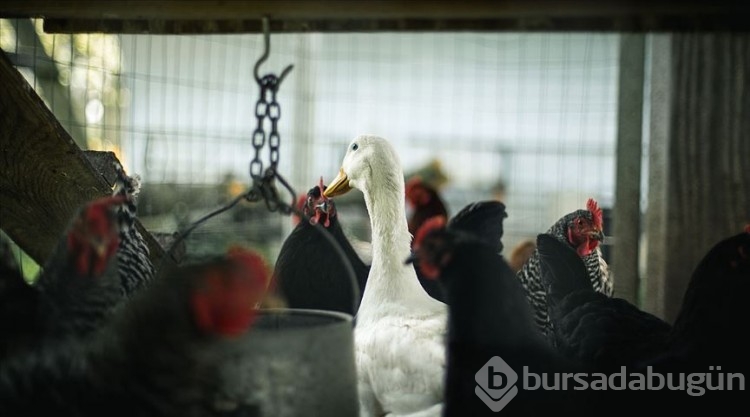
(400, 331)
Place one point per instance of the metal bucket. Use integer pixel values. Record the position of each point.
(296, 362)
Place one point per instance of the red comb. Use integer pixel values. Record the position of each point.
(596, 212)
(250, 262)
(225, 303)
(96, 221)
(747, 228)
(416, 191)
(413, 182)
(433, 223)
(222, 306)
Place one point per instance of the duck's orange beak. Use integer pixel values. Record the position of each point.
(339, 186)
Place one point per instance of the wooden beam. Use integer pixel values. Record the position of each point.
(346, 9)
(44, 175)
(216, 16)
(657, 237)
(699, 182)
(627, 216)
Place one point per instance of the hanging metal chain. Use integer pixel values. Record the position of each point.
(264, 182)
(274, 140)
(267, 107)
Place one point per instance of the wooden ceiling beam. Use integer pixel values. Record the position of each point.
(215, 16)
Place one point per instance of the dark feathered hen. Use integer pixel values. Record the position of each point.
(714, 309)
(589, 326)
(161, 356)
(479, 219)
(609, 332)
(306, 273)
(582, 231)
(484, 220)
(488, 315)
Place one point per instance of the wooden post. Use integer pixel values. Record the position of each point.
(699, 183)
(627, 211)
(44, 175)
(656, 212)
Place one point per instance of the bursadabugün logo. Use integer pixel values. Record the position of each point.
(496, 382)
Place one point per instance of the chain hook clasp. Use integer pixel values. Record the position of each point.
(266, 53)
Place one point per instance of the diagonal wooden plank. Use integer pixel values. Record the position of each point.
(44, 176)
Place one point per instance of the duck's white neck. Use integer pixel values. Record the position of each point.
(390, 280)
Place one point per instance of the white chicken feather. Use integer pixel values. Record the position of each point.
(400, 330)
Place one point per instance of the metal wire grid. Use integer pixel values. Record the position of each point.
(535, 110)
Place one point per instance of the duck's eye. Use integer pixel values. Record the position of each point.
(355, 146)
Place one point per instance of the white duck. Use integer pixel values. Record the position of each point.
(400, 331)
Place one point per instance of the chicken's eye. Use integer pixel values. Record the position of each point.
(355, 146)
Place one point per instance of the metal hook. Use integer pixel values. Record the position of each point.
(266, 52)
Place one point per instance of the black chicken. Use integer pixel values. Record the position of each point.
(489, 316)
(589, 326)
(610, 332)
(706, 332)
(160, 356)
(480, 219)
(306, 273)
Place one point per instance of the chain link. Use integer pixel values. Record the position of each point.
(266, 108)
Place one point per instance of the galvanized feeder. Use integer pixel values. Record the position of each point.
(297, 362)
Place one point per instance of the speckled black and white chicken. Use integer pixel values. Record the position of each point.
(582, 231)
(134, 264)
(97, 263)
(80, 286)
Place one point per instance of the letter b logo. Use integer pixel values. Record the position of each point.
(493, 377)
(496, 382)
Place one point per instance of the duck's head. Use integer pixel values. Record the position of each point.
(366, 157)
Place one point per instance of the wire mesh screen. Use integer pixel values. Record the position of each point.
(529, 118)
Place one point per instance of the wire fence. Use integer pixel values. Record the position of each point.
(535, 112)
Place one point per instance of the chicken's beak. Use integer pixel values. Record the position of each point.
(411, 259)
(99, 246)
(340, 185)
(598, 235)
